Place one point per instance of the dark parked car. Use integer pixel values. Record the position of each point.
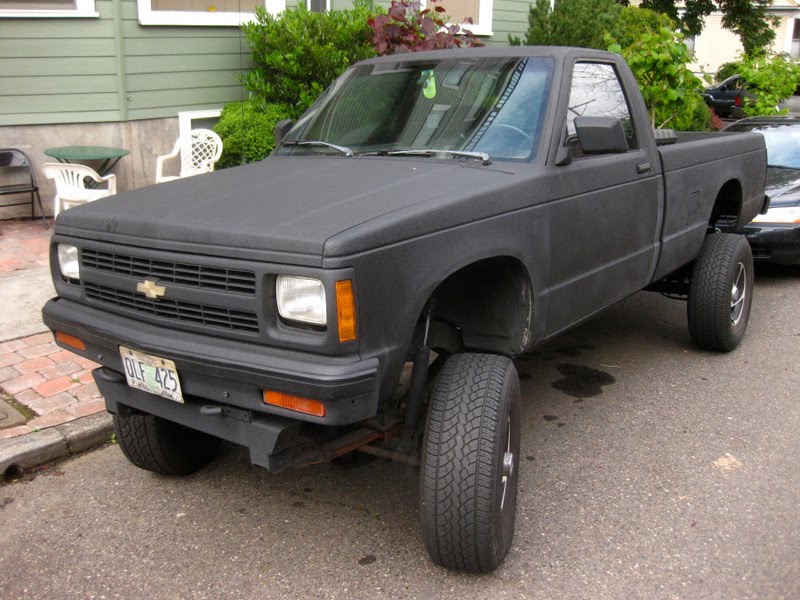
(775, 236)
(728, 97)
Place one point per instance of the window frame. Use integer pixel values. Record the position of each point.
(186, 117)
(83, 9)
(791, 43)
(485, 13)
(148, 16)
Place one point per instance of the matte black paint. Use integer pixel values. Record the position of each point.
(577, 238)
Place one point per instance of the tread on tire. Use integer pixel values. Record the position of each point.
(725, 262)
(467, 497)
(161, 446)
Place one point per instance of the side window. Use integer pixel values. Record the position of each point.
(597, 92)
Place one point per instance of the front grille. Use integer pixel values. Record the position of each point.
(166, 271)
(185, 312)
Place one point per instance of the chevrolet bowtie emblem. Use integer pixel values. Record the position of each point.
(151, 289)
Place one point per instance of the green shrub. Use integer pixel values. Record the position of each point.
(727, 69)
(632, 23)
(299, 53)
(671, 91)
(247, 130)
(580, 23)
(771, 79)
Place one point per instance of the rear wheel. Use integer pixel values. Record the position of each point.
(469, 475)
(161, 446)
(721, 292)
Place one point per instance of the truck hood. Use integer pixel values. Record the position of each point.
(279, 206)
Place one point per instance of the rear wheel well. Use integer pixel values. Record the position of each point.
(486, 306)
(727, 208)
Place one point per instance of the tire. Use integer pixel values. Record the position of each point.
(161, 446)
(468, 499)
(721, 292)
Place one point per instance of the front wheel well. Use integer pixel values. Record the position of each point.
(486, 306)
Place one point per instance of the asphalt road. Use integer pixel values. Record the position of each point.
(650, 470)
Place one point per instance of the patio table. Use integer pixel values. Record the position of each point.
(79, 154)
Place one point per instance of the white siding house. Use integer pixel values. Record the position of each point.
(717, 45)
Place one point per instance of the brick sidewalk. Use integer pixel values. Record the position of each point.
(56, 385)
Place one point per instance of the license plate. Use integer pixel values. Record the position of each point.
(151, 374)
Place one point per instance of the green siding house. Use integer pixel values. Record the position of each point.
(119, 72)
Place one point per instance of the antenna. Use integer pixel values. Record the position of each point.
(241, 80)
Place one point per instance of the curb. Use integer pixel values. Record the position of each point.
(31, 450)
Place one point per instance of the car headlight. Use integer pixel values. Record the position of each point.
(301, 299)
(68, 261)
(780, 214)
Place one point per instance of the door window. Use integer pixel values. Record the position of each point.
(597, 92)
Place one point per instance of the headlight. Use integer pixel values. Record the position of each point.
(780, 214)
(301, 299)
(68, 261)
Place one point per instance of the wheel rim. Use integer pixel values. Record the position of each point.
(507, 465)
(738, 294)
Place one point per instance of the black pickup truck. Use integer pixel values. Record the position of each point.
(433, 215)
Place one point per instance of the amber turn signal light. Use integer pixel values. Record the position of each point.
(346, 310)
(70, 340)
(296, 403)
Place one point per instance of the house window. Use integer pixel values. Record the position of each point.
(479, 10)
(47, 8)
(197, 119)
(318, 5)
(203, 12)
(795, 51)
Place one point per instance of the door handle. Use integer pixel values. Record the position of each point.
(642, 168)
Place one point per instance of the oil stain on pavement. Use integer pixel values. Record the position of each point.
(581, 382)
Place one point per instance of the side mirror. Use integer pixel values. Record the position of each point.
(723, 88)
(281, 129)
(601, 135)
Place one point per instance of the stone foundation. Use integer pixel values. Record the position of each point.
(146, 139)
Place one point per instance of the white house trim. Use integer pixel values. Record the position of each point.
(83, 9)
(787, 41)
(148, 16)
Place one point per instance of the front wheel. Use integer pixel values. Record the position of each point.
(469, 475)
(161, 446)
(721, 292)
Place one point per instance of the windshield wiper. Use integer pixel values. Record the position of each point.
(482, 156)
(343, 149)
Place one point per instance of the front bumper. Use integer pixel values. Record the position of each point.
(223, 372)
(774, 243)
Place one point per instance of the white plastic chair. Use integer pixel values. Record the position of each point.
(199, 151)
(71, 187)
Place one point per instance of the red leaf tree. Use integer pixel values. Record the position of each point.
(407, 28)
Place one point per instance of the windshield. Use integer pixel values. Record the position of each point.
(782, 141)
(444, 108)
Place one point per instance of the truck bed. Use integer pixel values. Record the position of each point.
(695, 168)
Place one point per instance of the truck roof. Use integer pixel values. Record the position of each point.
(557, 52)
